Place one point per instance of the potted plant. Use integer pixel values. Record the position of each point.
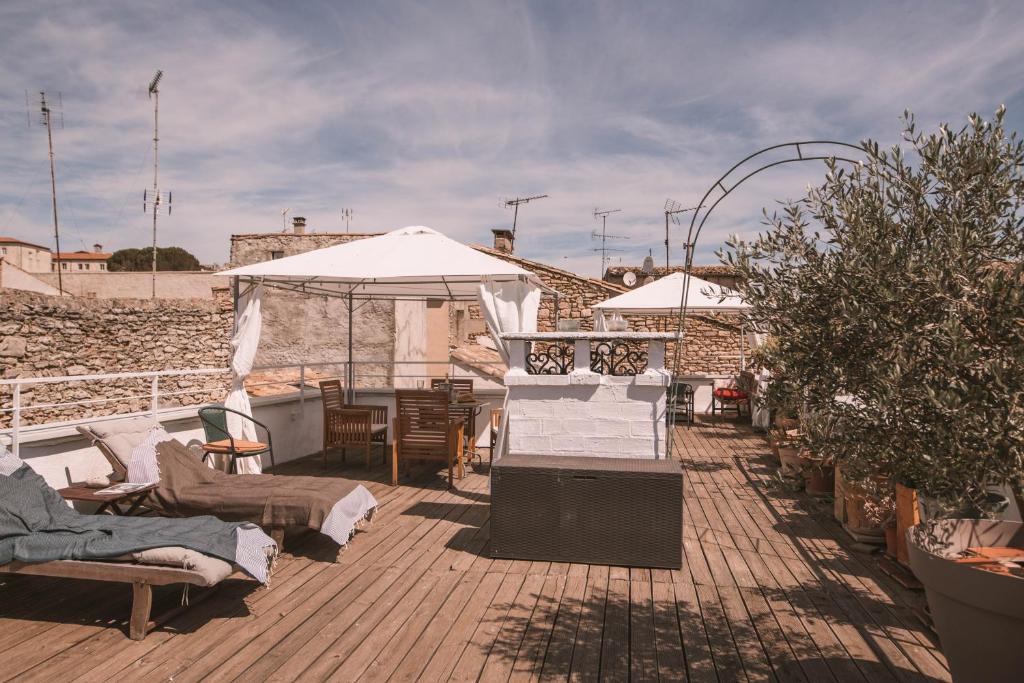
(894, 292)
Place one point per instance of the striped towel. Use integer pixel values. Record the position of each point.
(143, 467)
(251, 551)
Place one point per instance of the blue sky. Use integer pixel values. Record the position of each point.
(428, 113)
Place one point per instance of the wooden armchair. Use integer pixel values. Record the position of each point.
(733, 395)
(352, 426)
(424, 430)
(462, 385)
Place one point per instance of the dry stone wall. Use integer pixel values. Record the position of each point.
(45, 336)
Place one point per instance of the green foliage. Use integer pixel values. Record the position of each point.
(167, 258)
(894, 296)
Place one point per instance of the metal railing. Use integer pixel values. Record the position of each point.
(156, 394)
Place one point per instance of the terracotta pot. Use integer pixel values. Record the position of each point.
(789, 458)
(857, 521)
(890, 541)
(908, 515)
(821, 479)
(978, 614)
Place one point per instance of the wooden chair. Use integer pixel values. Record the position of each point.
(220, 442)
(424, 430)
(462, 385)
(734, 397)
(352, 426)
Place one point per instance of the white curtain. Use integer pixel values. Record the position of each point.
(244, 343)
(507, 307)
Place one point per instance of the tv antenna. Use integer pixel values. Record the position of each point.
(604, 248)
(284, 219)
(673, 209)
(49, 117)
(157, 200)
(514, 203)
(347, 215)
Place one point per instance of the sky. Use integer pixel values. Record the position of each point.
(417, 113)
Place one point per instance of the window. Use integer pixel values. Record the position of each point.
(63, 266)
(81, 266)
(274, 255)
(3, 250)
(103, 266)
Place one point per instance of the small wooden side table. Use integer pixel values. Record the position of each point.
(112, 504)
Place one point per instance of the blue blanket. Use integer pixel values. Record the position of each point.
(36, 525)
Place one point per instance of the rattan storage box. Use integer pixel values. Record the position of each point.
(617, 511)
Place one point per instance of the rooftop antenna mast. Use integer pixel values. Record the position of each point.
(673, 209)
(604, 248)
(50, 118)
(284, 219)
(347, 215)
(514, 203)
(157, 199)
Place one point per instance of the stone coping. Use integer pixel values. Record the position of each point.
(555, 336)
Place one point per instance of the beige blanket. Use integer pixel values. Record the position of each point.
(188, 487)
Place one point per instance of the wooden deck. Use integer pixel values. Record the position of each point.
(770, 590)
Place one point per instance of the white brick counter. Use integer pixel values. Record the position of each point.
(584, 413)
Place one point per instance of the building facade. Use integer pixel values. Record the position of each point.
(94, 261)
(31, 258)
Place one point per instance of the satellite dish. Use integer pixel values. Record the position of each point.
(649, 279)
(648, 265)
(629, 279)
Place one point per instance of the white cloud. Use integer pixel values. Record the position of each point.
(413, 113)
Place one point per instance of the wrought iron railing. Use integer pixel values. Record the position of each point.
(617, 354)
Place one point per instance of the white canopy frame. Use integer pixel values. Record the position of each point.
(403, 265)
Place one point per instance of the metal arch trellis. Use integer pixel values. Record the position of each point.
(694, 231)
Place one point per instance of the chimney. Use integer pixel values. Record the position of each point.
(299, 225)
(502, 240)
(98, 248)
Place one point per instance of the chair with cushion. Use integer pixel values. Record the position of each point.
(220, 442)
(733, 394)
(424, 430)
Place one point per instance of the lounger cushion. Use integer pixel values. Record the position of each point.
(213, 569)
(120, 436)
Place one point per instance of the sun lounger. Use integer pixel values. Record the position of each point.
(208, 574)
(330, 505)
(41, 535)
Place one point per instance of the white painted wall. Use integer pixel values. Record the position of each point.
(586, 414)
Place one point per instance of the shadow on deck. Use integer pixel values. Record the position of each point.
(770, 589)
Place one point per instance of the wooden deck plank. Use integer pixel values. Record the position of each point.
(558, 659)
(770, 589)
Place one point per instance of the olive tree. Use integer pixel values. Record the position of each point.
(894, 296)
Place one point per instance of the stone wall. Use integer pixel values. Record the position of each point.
(44, 336)
(298, 328)
(117, 285)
